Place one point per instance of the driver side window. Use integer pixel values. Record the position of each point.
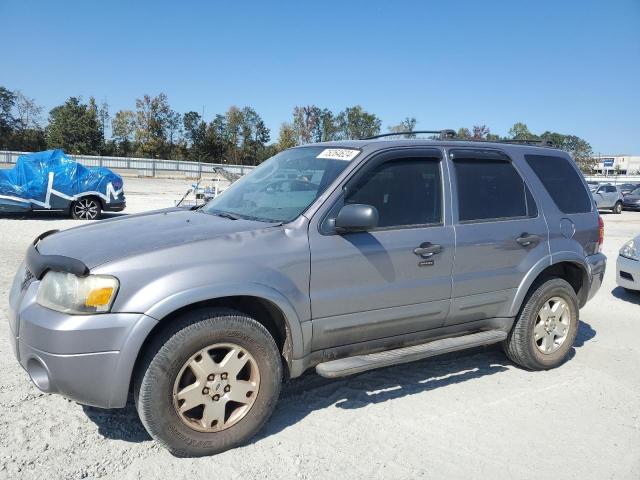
(405, 192)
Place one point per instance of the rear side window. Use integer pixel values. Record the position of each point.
(562, 182)
(491, 189)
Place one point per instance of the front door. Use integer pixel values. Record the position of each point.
(376, 284)
(500, 234)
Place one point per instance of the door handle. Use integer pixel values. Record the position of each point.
(527, 239)
(427, 249)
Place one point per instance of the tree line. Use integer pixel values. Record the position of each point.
(154, 130)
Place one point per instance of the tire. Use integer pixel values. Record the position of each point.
(523, 348)
(167, 363)
(87, 208)
(617, 208)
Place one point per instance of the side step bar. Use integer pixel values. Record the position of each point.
(361, 363)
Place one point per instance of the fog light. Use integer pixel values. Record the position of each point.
(39, 374)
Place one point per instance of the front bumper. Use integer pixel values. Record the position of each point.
(597, 265)
(86, 358)
(114, 206)
(625, 268)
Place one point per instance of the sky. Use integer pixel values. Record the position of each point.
(566, 66)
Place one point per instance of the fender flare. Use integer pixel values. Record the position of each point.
(211, 292)
(538, 268)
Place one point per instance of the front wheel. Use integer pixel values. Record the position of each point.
(209, 384)
(546, 328)
(86, 209)
(617, 208)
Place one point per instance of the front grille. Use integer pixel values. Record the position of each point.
(28, 278)
(626, 275)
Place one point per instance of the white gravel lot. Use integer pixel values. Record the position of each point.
(465, 415)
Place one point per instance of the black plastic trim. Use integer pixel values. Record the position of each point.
(39, 264)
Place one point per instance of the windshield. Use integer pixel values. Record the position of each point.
(281, 188)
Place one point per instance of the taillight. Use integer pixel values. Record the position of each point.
(600, 232)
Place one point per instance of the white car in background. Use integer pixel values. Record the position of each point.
(628, 265)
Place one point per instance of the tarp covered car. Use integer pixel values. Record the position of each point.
(51, 180)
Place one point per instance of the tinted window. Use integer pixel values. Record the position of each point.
(562, 182)
(491, 189)
(405, 192)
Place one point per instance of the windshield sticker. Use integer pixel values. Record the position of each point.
(339, 153)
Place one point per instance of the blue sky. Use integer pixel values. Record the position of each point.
(568, 66)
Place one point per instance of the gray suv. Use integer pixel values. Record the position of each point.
(380, 252)
(609, 197)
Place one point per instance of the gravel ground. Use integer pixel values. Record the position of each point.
(465, 415)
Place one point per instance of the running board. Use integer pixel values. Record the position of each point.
(361, 363)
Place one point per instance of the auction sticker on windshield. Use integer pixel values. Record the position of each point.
(339, 153)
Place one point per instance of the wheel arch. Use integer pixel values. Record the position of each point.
(569, 267)
(274, 313)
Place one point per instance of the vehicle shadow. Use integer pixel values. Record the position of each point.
(302, 396)
(622, 294)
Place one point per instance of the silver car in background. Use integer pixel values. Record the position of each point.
(628, 265)
(609, 197)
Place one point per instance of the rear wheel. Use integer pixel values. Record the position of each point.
(546, 328)
(617, 208)
(209, 384)
(88, 208)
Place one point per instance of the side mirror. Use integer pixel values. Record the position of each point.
(356, 217)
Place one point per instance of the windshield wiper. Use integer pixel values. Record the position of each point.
(228, 215)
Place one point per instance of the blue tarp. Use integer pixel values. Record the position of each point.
(28, 181)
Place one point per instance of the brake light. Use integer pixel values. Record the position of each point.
(600, 232)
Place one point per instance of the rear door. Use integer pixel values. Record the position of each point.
(606, 196)
(500, 234)
(373, 285)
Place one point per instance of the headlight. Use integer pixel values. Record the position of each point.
(629, 250)
(65, 292)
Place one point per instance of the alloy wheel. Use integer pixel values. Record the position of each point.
(216, 387)
(86, 209)
(552, 325)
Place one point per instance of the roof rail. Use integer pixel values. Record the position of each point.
(443, 134)
(543, 142)
(451, 135)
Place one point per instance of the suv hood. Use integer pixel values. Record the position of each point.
(109, 240)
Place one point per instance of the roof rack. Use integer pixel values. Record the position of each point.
(543, 142)
(443, 134)
(451, 135)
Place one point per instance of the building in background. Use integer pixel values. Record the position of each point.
(618, 165)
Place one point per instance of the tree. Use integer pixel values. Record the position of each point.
(480, 132)
(20, 122)
(152, 124)
(464, 133)
(520, 131)
(123, 128)
(287, 136)
(406, 125)
(28, 112)
(174, 127)
(254, 134)
(306, 121)
(355, 123)
(7, 122)
(74, 127)
(577, 147)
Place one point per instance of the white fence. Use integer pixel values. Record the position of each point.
(148, 167)
(613, 179)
